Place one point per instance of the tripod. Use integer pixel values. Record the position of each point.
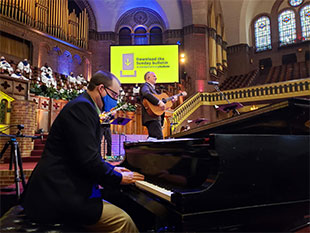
(16, 158)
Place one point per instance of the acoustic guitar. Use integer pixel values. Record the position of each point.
(155, 110)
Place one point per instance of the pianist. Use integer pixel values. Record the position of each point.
(63, 186)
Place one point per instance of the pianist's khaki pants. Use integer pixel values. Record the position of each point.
(113, 220)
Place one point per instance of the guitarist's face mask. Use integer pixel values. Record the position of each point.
(108, 101)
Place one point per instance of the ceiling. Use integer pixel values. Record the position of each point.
(237, 14)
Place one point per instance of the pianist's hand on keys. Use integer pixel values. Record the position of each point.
(129, 177)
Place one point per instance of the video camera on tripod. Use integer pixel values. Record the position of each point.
(15, 154)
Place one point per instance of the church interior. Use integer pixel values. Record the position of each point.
(245, 66)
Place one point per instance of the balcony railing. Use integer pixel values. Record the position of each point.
(281, 90)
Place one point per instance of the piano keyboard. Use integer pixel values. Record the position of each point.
(154, 189)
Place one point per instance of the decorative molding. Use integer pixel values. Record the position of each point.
(212, 33)
(219, 40)
(238, 48)
(94, 35)
(140, 16)
(195, 29)
(224, 45)
(174, 33)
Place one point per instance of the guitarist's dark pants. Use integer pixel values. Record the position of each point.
(154, 129)
(106, 132)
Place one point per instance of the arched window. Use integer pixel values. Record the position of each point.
(141, 36)
(156, 36)
(262, 34)
(295, 2)
(305, 22)
(287, 27)
(124, 36)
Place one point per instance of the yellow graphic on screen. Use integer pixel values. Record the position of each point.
(130, 63)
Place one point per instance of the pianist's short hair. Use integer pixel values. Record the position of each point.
(147, 74)
(101, 77)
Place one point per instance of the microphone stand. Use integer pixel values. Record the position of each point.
(235, 111)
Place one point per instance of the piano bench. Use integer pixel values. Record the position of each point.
(15, 220)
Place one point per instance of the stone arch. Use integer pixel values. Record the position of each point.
(140, 16)
(125, 26)
(156, 25)
(77, 58)
(187, 12)
(140, 26)
(65, 63)
(67, 54)
(57, 50)
(77, 66)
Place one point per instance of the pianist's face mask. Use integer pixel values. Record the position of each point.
(108, 102)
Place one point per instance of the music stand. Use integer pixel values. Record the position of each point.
(234, 110)
(228, 107)
(120, 121)
(200, 120)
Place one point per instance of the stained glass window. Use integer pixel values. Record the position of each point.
(287, 27)
(262, 34)
(295, 2)
(305, 22)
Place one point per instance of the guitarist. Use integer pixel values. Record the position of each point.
(147, 91)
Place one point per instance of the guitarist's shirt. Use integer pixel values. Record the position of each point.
(147, 91)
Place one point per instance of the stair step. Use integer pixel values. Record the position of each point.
(39, 147)
(36, 153)
(31, 159)
(39, 141)
(44, 135)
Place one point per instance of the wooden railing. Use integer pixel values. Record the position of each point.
(16, 88)
(288, 89)
(48, 109)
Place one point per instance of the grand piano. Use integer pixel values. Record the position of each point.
(242, 174)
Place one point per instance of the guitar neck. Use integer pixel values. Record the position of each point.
(170, 98)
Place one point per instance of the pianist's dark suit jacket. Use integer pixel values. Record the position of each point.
(147, 92)
(61, 185)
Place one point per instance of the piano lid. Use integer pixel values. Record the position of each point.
(225, 170)
(287, 117)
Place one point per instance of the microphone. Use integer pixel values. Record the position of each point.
(213, 83)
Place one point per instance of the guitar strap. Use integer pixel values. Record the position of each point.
(153, 90)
